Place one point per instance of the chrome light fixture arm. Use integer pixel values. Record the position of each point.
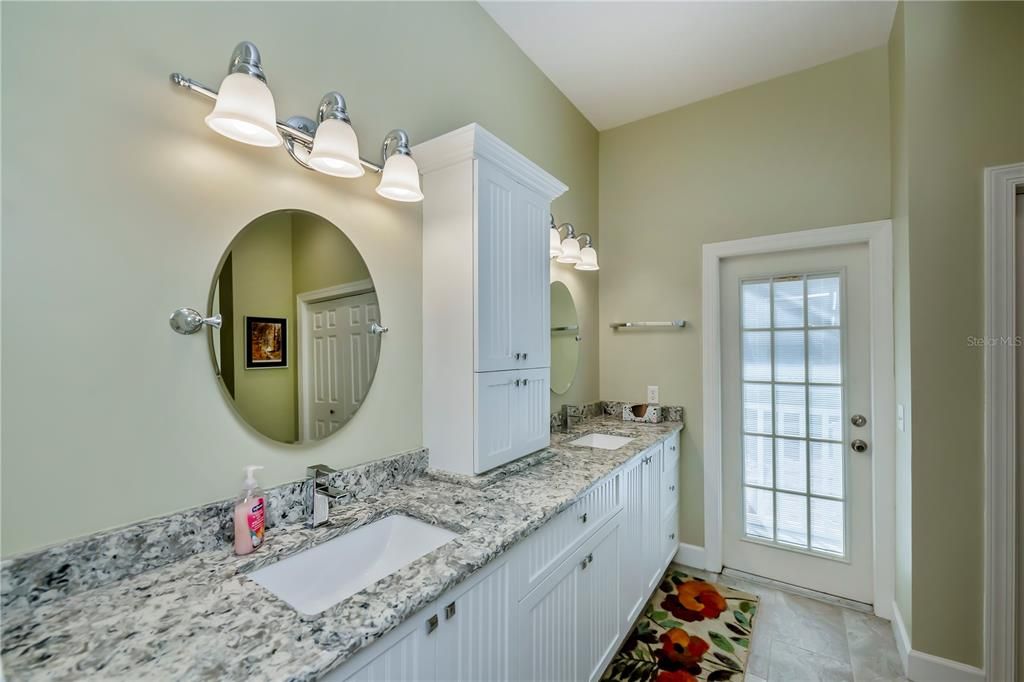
(297, 130)
(570, 231)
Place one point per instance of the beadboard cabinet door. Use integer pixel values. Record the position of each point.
(532, 407)
(547, 626)
(474, 642)
(600, 603)
(498, 268)
(653, 514)
(531, 332)
(498, 425)
(407, 653)
(632, 585)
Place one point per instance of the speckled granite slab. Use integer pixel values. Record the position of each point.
(201, 617)
(99, 559)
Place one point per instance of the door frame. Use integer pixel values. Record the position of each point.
(302, 303)
(1001, 184)
(878, 238)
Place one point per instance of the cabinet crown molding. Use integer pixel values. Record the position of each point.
(473, 141)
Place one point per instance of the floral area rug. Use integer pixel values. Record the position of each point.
(690, 630)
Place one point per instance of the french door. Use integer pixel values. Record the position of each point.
(796, 441)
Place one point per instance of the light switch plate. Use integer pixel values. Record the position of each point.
(901, 423)
(652, 395)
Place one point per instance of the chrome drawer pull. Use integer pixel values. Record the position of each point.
(431, 623)
(449, 611)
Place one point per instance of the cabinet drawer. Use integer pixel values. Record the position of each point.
(670, 487)
(671, 456)
(551, 544)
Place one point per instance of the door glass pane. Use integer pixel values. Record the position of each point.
(789, 303)
(760, 514)
(757, 408)
(792, 519)
(791, 464)
(794, 459)
(827, 469)
(826, 404)
(827, 525)
(823, 356)
(757, 356)
(757, 310)
(790, 410)
(823, 301)
(757, 460)
(789, 356)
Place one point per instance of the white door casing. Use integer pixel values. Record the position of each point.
(797, 499)
(878, 237)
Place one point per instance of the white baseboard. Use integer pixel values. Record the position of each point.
(690, 555)
(922, 667)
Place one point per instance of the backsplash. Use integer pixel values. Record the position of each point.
(99, 559)
(671, 413)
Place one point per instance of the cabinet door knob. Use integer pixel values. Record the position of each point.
(583, 517)
(449, 611)
(516, 382)
(671, 488)
(524, 356)
(671, 536)
(431, 623)
(524, 381)
(515, 355)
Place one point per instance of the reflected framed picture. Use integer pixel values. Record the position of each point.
(266, 342)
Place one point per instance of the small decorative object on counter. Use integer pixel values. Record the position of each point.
(250, 514)
(642, 412)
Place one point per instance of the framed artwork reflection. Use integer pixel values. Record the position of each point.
(266, 342)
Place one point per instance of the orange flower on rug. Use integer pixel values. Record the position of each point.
(689, 631)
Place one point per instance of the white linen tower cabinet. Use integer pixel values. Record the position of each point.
(486, 305)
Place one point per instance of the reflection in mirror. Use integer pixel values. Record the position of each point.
(295, 354)
(565, 338)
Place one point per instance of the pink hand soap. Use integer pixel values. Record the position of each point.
(250, 514)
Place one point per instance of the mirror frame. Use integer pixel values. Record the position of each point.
(228, 399)
(576, 369)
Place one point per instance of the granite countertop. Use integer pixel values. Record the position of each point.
(201, 617)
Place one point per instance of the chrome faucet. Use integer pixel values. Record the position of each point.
(320, 494)
(566, 419)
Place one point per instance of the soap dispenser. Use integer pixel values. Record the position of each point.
(250, 514)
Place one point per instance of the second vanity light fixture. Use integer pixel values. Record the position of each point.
(574, 249)
(245, 112)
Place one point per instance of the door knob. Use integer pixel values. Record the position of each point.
(858, 420)
(859, 446)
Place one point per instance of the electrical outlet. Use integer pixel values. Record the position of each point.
(652, 395)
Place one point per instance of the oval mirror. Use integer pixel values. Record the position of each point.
(565, 338)
(300, 339)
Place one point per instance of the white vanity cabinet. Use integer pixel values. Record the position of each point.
(465, 636)
(486, 304)
(558, 604)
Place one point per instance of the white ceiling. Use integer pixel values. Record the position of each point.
(623, 61)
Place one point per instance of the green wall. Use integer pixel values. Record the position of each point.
(261, 261)
(807, 150)
(963, 103)
(139, 220)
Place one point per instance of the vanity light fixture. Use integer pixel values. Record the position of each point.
(588, 256)
(245, 112)
(576, 250)
(570, 245)
(554, 240)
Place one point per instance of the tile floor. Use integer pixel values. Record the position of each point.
(799, 639)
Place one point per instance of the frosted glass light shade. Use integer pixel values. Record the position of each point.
(400, 179)
(570, 251)
(245, 111)
(588, 259)
(555, 247)
(336, 150)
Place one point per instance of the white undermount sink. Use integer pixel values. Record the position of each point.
(601, 440)
(318, 578)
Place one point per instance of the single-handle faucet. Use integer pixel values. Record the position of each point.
(566, 419)
(320, 492)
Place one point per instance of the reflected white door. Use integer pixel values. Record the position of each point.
(797, 503)
(343, 357)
